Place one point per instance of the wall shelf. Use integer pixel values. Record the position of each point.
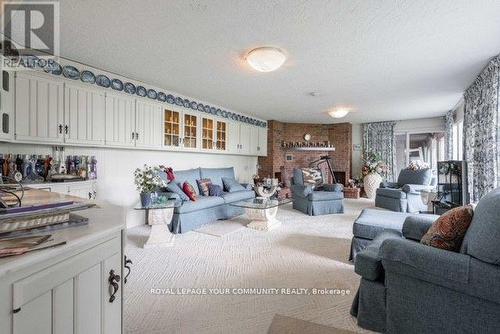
(309, 148)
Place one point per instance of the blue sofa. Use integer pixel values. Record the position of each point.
(404, 195)
(314, 202)
(189, 215)
(408, 287)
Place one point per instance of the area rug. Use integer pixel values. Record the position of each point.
(221, 229)
(205, 284)
(287, 325)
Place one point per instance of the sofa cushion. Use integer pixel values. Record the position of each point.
(298, 178)
(203, 186)
(190, 175)
(481, 239)
(419, 176)
(325, 195)
(231, 185)
(216, 174)
(448, 231)
(215, 190)
(189, 191)
(392, 193)
(238, 196)
(173, 187)
(372, 222)
(312, 177)
(203, 202)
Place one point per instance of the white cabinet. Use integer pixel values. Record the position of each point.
(148, 124)
(242, 138)
(38, 107)
(254, 140)
(75, 295)
(262, 147)
(83, 189)
(84, 115)
(120, 120)
(7, 105)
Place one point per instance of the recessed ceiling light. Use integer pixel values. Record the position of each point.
(266, 59)
(314, 94)
(339, 112)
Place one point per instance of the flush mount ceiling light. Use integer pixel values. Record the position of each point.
(339, 112)
(266, 59)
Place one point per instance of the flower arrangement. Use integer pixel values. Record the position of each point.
(372, 163)
(418, 164)
(147, 180)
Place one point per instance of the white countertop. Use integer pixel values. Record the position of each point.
(103, 221)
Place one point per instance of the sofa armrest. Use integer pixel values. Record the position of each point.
(301, 191)
(416, 226)
(426, 263)
(415, 188)
(387, 184)
(247, 186)
(337, 187)
(368, 263)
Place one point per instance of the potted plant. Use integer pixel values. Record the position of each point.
(373, 166)
(147, 183)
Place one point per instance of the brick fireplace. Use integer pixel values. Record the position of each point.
(280, 162)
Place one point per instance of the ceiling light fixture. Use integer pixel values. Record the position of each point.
(266, 59)
(339, 112)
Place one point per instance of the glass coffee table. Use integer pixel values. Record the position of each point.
(262, 212)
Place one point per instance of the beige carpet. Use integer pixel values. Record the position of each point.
(304, 253)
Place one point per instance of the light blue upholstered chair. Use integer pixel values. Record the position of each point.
(404, 195)
(314, 202)
(408, 287)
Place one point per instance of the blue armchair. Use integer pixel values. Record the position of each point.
(323, 200)
(404, 195)
(408, 287)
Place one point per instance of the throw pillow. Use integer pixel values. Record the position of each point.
(189, 190)
(215, 190)
(203, 185)
(448, 231)
(312, 177)
(174, 188)
(231, 185)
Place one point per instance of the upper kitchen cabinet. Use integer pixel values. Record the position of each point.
(262, 147)
(148, 124)
(84, 115)
(172, 129)
(7, 106)
(120, 121)
(39, 114)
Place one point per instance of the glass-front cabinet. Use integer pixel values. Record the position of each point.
(190, 138)
(207, 138)
(221, 139)
(172, 131)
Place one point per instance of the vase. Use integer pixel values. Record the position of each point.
(146, 199)
(371, 183)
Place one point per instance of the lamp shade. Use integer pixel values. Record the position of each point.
(339, 113)
(266, 59)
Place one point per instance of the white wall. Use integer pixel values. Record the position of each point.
(115, 169)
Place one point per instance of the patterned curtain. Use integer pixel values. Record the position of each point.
(379, 138)
(481, 133)
(449, 118)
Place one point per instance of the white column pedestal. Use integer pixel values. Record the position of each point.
(160, 235)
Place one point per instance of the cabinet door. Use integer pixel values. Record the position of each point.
(221, 136)
(207, 133)
(190, 131)
(254, 140)
(245, 132)
(262, 148)
(120, 121)
(172, 129)
(233, 137)
(112, 310)
(148, 124)
(38, 109)
(84, 115)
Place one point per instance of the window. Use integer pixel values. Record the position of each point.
(426, 146)
(458, 130)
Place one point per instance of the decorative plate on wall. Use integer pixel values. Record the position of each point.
(178, 101)
(71, 72)
(103, 81)
(53, 67)
(152, 94)
(29, 61)
(129, 88)
(41, 63)
(194, 105)
(186, 103)
(141, 91)
(201, 107)
(117, 84)
(88, 77)
(207, 108)
(162, 97)
(170, 99)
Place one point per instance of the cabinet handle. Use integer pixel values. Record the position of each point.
(17, 310)
(90, 195)
(126, 265)
(66, 129)
(60, 128)
(113, 285)
(136, 136)
(133, 136)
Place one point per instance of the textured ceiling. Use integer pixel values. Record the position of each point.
(397, 59)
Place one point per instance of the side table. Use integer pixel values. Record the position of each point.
(351, 192)
(158, 217)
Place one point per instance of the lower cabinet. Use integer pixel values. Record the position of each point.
(83, 189)
(81, 294)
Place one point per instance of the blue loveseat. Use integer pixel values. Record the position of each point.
(189, 215)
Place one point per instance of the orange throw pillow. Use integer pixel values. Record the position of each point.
(189, 191)
(448, 231)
